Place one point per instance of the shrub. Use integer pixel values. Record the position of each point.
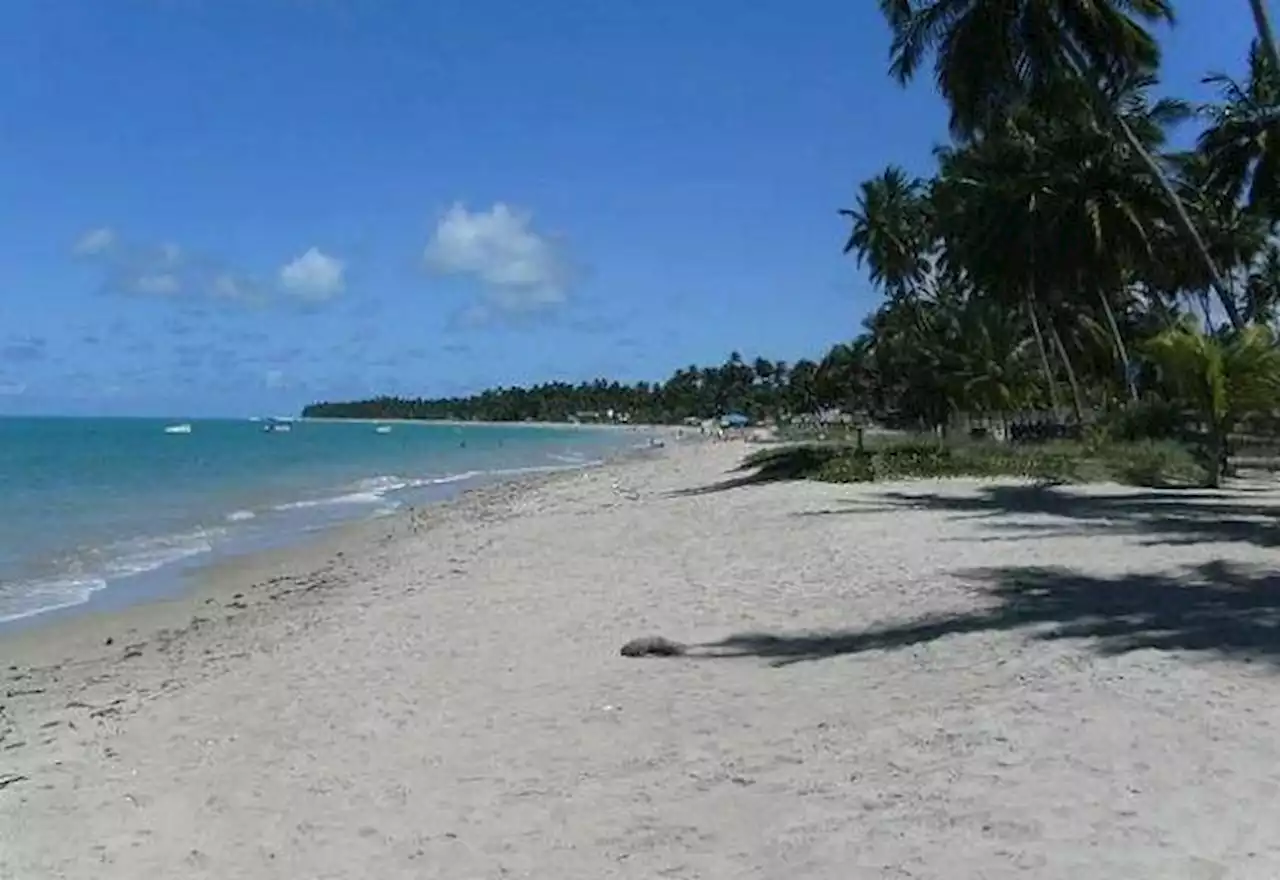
(1153, 463)
(909, 460)
(1151, 419)
(1149, 463)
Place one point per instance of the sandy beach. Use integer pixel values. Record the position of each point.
(928, 680)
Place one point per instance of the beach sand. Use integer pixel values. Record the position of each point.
(946, 680)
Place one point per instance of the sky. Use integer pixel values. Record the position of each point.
(235, 207)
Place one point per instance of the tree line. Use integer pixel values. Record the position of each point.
(760, 388)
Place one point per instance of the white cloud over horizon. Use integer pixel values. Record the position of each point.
(169, 271)
(522, 269)
(227, 286)
(95, 242)
(157, 284)
(313, 277)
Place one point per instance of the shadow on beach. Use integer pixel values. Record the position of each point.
(1216, 608)
(1159, 517)
(780, 466)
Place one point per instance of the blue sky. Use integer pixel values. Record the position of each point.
(239, 206)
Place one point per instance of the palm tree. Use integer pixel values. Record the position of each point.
(1262, 287)
(995, 368)
(1224, 376)
(1237, 236)
(1242, 142)
(1107, 209)
(1262, 20)
(802, 396)
(890, 231)
(991, 56)
(994, 220)
(994, 57)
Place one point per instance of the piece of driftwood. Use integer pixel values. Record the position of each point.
(652, 646)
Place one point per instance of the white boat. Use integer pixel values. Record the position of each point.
(276, 426)
(383, 429)
(184, 428)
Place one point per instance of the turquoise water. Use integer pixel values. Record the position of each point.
(88, 504)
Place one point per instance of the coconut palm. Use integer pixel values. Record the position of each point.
(891, 232)
(1267, 39)
(1241, 145)
(1236, 235)
(994, 57)
(995, 364)
(1050, 209)
(1225, 376)
(1262, 287)
(991, 56)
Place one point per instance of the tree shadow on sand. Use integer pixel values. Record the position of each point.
(1218, 608)
(1159, 517)
(769, 466)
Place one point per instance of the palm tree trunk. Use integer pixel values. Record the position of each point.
(1122, 350)
(1049, 379)
(1077, 401)
(1262, 20)
(1216, 456)
(1202, 298)
(1185, 221)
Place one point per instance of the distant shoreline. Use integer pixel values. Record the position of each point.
(466, 423)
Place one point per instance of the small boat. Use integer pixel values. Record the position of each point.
(183, 428)
(382, 429)
(276, 426)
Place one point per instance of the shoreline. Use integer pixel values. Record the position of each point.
(871, 679)
(465, 423)
(240, 533)
(297, 564)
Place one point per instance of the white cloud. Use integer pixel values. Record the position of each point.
(156, 284)
(522, 269)
(162, 269)
(231, 287)
(95, 242)
(314, 276)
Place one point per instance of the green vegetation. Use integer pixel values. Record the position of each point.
(1145, 463)
(761, 388)
(1059, 259)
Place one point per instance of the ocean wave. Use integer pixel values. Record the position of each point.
(147, 554)
(29, 598)
(92, 570)
(374, 490)
(350, 498)
(240, 516)
(544, 468)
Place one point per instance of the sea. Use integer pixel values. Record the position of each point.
(105, 512)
